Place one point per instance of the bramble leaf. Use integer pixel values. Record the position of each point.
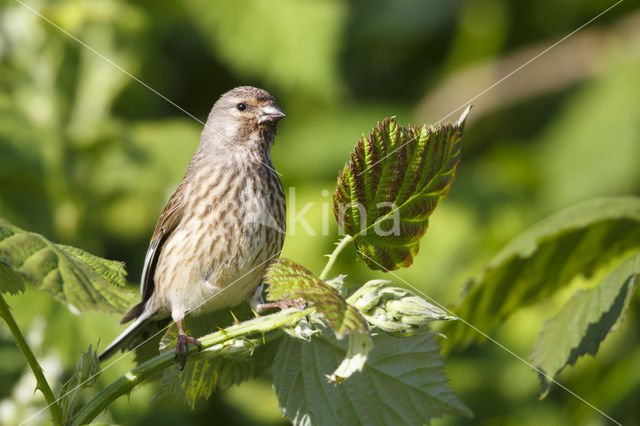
(402, 382)
(391, 185)
(85, 375)
(73, 276)
(575, 241)
(288, 280)
(10, 281)
(585, 321)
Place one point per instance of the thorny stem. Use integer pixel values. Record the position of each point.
(333, 256)
(128, 381)
(42, 384)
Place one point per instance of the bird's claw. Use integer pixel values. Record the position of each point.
(182, 348)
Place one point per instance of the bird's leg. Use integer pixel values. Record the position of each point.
(298, 303)
(256, 300)
(182, 345)
(259, 306)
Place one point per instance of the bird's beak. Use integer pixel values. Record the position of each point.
(270, 114)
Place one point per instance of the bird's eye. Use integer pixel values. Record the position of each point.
(241, 106)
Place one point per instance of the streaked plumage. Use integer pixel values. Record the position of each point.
(224, 223)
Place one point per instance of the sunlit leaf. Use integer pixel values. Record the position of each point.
(575, 241)
(402, 383)
(392, 184)
(85, 375)
(289, 281)
(10, 281)
(585, 321)
(79, 279)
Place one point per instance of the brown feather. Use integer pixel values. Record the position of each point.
(169, 219)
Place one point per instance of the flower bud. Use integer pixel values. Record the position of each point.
(368, 295)
(305, 328)
(395, 310)
(237, 348)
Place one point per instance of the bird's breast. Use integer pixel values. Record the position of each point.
(232, 228)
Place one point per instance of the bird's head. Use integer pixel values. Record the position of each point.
(243, 116)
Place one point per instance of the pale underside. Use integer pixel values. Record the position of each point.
(229, 233)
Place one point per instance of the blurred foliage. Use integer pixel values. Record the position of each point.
(585, 321)
(88, 156)
(579, 240)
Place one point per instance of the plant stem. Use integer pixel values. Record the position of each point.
(128, 381)
(332, 258)
(42, 384)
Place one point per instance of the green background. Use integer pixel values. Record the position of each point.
(89, 156)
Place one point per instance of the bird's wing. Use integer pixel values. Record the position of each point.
(168, 221)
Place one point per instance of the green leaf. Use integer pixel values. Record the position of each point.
(87, 371)
(289, 281)
(575, 241)
(79, 279)
(10, 281)
(402, 383)
(585, 321)
(392, 184)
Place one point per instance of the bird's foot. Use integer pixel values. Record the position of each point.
(182, 348)
(298, 303)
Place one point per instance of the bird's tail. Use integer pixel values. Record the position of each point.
(124, 340)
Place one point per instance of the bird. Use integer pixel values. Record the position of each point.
(222, 226)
